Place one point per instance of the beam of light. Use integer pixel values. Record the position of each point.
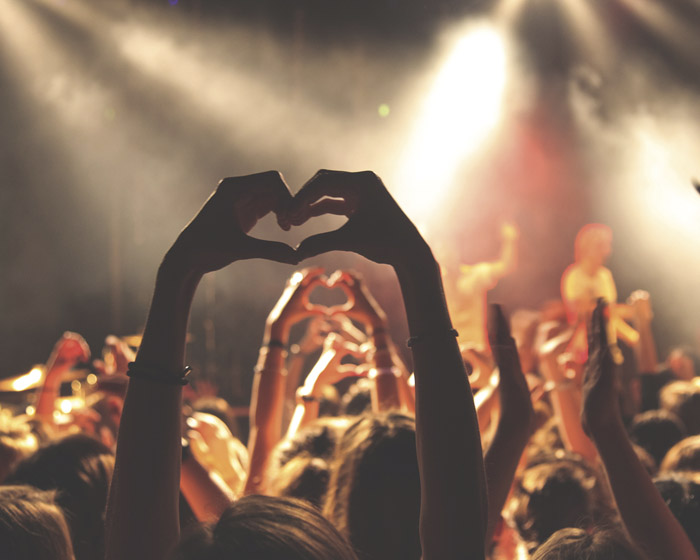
(682, 34)
(20, 34)
(590, 31)
(507, 11)
(462, 107)
(665, 195)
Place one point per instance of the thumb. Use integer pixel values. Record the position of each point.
(270, 250)
(324, 243)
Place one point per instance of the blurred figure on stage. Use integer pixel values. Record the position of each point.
(466, 294)
(587, 280)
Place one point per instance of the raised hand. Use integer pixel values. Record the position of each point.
(293, 305)
(69, 350)
(513, 384)
(600, 395)
(516, 418)
(329, 370)
(119, 356)
(218, 234)
(361, 305)
(376, 229)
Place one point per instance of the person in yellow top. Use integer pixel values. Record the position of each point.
(586, 281)
(466, 296)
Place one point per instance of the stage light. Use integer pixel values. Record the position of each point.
(461, 108)
(666, 196)
(656, 15)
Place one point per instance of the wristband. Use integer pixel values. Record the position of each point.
(158, 375)
(304, 397)
(411, 342)
(275, 343)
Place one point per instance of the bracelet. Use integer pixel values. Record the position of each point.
(158, 375)
(411, 342)
(275, 343)
(305, 397)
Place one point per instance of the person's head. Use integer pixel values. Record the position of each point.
(270, 528)
(546, 439)
(656, 431)
(577, 544)
(374, 492)
(358, 398)
(317, 439)
(684, 363)
(682, 398)
(303, 478)
(684, 456)
(32, 526)
(682, 496)
(80, 469)
(556, 491)
(593, 244)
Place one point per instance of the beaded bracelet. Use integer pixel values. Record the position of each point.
(158, 375)
(411, 342)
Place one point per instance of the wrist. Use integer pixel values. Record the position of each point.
(174, 269)
(276, 330)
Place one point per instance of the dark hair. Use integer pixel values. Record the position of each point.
(557, 490)
(317, 439)
(267, 528)
(374, 492)
(32, 527)
(80, 469)
(656, 431)
(358, 398)
(682, 496)
(577, 544)
(684, 456)
(682, 398)
(304, 478)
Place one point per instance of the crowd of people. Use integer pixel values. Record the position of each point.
(534, 441)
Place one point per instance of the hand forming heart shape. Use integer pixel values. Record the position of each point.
(376, 229)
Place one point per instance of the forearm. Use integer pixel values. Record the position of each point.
(266, 406)
(509, 256)
(50, 390)
(207, 495)
(644, 512)
(503, 455)
(645, 350)
(386, 377)
(148, 450)
(565, 397)
(453, 500)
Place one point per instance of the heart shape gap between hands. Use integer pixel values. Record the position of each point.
(267, 228)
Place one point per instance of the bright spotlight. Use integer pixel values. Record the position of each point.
(463, 106)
